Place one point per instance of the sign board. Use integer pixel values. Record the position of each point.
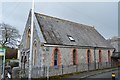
(2, 51)
(2, 54)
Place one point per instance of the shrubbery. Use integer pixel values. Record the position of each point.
(14, 64)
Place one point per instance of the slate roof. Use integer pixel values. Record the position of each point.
(56, 31)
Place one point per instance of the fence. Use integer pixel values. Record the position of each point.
(38, 72)
(77, 68)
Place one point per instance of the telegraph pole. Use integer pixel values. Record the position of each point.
(31, 41)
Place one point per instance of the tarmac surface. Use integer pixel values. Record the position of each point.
(89, 74)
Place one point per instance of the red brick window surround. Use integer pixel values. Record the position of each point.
(109, 56)
(89, 57)
(75, 57)
(100, 56)
(56, 58)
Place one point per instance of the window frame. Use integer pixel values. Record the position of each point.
(59, 58)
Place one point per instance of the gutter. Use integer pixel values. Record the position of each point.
(73, 46)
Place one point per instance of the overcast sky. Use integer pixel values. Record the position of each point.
(102, 15)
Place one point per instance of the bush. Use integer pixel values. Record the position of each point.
(14, 64)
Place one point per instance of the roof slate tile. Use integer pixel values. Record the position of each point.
(55, 31)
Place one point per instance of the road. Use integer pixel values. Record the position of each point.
(103, 76)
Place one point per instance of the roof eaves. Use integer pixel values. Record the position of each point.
(77, 46)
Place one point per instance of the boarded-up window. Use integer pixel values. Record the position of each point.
(100, 56)
(21, 58)
(109, 56)
(34, 53)
(28, 39)
(25, 59)
(75, 55)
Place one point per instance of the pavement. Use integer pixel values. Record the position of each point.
(105, 75)
(91, 73)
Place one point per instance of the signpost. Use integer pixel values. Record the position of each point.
(2, 51)
(2, 57)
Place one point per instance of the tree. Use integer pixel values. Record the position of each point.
(9, 35)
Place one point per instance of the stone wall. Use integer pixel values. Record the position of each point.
(63, 69)
(66, 55)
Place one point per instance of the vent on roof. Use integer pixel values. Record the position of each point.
(71, 38)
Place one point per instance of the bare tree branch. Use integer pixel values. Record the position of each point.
(9, 35)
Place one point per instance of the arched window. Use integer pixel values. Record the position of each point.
(100, 56)
(74, 55)
(56, 58)
(109, 56)
(28, 39)
(88, 56)
(34, 53)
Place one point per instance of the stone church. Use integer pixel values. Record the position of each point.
(58, 42)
